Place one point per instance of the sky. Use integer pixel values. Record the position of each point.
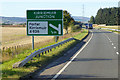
(17, 8)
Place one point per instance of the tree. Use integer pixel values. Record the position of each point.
(98, 16)
(92, 20)
(67, 19)
(108, 16)
(72, 23)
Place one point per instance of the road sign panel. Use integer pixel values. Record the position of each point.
(44, 22)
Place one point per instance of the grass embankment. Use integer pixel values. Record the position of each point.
(15, 41)
(37, 62)
(109, 27)
(112, 31)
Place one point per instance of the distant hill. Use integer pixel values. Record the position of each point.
(18, 20)
(80, 18)
(12, 20)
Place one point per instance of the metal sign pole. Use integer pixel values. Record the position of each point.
(55, 38)
(32, 42)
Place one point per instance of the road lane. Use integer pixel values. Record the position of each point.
(53, 68)
(97, 60)
(113, 38)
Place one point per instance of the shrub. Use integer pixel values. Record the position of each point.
(76, 28)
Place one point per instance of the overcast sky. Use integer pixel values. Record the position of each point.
(17, 8)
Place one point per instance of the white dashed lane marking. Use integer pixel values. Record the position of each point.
(112, 44)
(114, 47)
(68, 63)
(117, 53)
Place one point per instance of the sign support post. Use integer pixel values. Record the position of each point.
(55, 38)
(32, 42)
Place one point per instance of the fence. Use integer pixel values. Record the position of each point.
(14, 50)
(39, 52)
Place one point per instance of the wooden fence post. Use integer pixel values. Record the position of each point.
(3, 49)
(15, 48)
(6, 49)
(12, 54)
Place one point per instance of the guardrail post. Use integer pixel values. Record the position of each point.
(39, 55)
(42, 53)
(36, 55)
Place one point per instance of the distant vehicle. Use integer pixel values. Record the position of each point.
(90, 26)
(86, 26)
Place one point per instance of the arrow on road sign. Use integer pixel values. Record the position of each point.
(54, 27)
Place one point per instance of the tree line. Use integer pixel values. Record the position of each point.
(108, 16)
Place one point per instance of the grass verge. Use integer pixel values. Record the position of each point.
(37, 62)
(112, 31)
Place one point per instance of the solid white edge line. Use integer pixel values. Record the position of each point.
(108, 38)
(72, 59)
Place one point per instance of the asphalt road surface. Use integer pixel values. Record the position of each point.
(96, 57)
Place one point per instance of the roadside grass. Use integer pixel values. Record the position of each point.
(111, 27)
(10, 53)
(15, 36)
(112, 31)
(37, 62)
(15, 41)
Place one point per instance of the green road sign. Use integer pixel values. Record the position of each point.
(44, 22)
